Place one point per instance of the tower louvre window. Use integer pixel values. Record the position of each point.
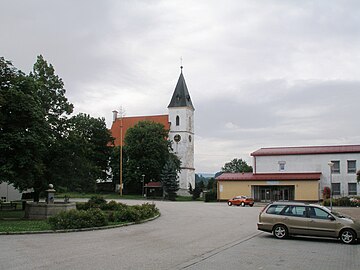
(177, 120)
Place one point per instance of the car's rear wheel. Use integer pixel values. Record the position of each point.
(242, 204)
(230, 203)
(251, 205)
(280, 231)
(347, 236)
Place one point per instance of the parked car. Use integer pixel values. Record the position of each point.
(290, 218)
(241, 200)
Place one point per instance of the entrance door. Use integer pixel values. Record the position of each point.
(286, 194)
(265, 194)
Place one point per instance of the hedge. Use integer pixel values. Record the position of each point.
(97, 213)
(343, 201)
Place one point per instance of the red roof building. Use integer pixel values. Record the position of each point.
(122, 124)
(296, 173)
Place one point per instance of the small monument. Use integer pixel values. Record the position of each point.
(50, 194)
(43, 210)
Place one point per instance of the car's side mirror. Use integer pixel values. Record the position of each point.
(331, 217)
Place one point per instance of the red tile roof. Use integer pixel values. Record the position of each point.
(307, 150)
(268, 176)
(153, 184)
(128, 122)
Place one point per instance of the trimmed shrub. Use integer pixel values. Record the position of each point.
(113, 206)
(81, 206)
(343, 201)
(96, 202)
(210, 196)
(93, 202)
(76, 219)
(134, 213)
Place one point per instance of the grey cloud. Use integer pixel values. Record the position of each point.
(260, 73)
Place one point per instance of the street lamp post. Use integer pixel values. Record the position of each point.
(143, 184)
(331, 164)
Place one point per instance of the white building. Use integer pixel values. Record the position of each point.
(296, 173)
(346, 160)
(9, 193)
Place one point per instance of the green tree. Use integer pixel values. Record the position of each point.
(169, 178)
(147, 150)
(49, 89)
(23, 130)
(236, 166)
(83, 156)
(39, 144)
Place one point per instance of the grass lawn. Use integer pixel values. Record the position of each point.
(11, 221)
(24, 225)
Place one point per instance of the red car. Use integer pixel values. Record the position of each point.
(241, 200)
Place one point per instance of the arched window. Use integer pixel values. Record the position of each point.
(177, 120)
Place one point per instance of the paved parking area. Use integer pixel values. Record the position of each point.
(267, 253)
(188, 235)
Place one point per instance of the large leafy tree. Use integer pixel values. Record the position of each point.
(236, 165)
(23, 130)
(39, 144)
(55, 107)
(83, 156)
(147, 150)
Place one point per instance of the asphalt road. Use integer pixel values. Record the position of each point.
(188, 235)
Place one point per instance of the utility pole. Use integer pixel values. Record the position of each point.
(122, 113)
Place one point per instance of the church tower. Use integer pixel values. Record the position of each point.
(181, 118)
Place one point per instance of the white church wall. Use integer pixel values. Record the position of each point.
(183, 148)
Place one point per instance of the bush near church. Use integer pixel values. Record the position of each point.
(98, 213)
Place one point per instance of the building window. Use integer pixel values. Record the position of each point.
(335, 188)
(352, 187)
(282, 165)
(177, 120)
(336, 167)
(351, 166)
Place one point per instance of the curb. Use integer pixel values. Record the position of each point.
(82, 229)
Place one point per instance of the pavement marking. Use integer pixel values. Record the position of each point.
(215, 251)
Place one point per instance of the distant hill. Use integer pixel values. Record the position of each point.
(203, 177)
(206, 175)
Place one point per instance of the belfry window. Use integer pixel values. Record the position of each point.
(177, 120)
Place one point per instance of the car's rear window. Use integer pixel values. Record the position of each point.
(275, 209)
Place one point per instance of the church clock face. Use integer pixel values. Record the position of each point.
(177, 138)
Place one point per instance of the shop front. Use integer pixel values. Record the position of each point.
(273, 193)
(270, 187)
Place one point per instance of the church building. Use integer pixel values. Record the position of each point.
(180, 123)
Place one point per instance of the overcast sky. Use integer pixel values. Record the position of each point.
(260, 73)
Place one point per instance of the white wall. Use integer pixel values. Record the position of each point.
(9, 192)
(184, 149)
(312, 163)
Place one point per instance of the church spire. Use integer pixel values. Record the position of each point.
(181, 96)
